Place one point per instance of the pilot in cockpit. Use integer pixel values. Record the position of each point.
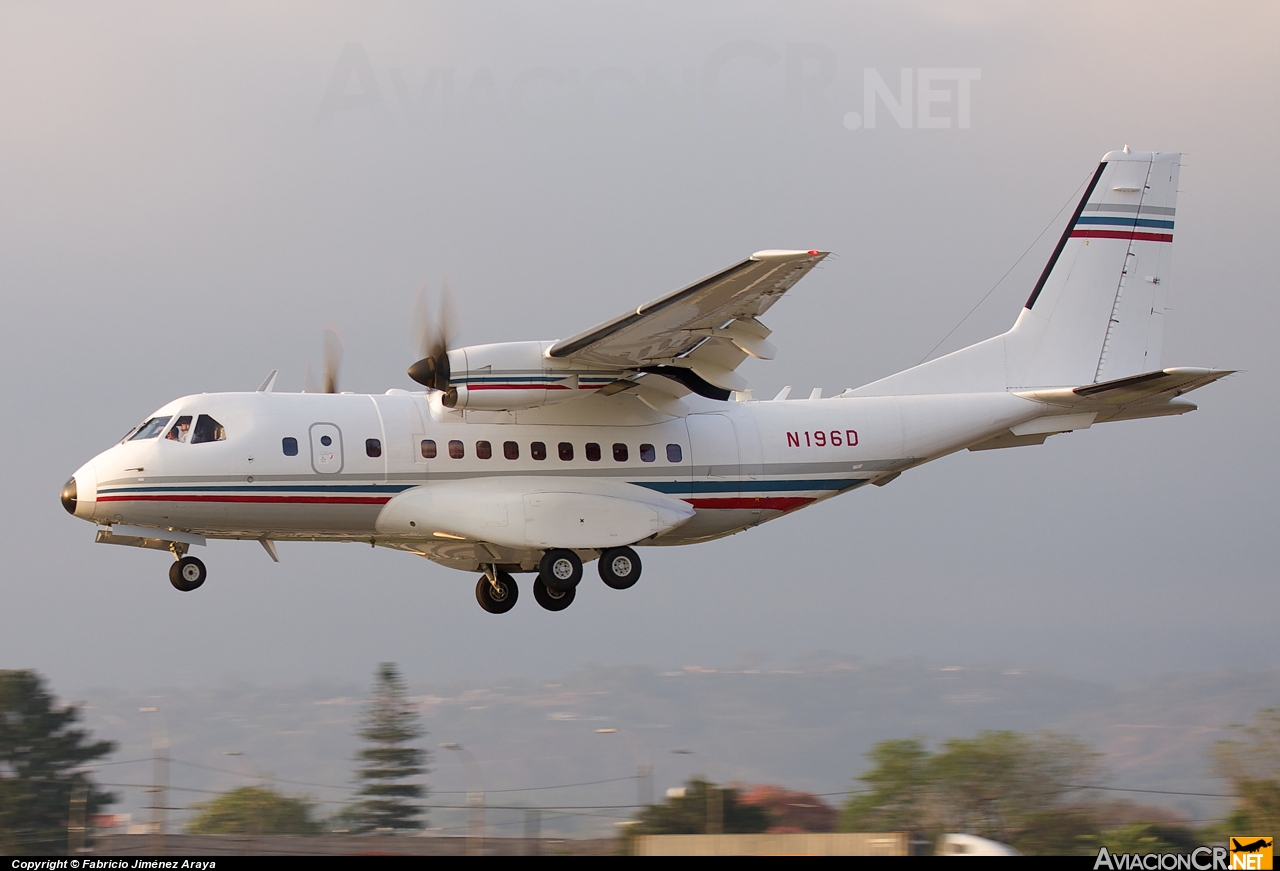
(181, 427)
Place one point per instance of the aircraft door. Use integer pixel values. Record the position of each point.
(326, 448)
(713, 446)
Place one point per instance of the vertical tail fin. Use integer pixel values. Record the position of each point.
(1097, 312)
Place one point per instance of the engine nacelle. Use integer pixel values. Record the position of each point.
(508, 375)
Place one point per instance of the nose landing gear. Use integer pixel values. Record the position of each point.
(187, 574)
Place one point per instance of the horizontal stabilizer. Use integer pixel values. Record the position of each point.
(1149, 388)
(1151, 394)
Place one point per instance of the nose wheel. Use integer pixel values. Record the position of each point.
(497, 596)
(187, 574)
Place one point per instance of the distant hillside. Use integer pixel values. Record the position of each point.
(806, 727)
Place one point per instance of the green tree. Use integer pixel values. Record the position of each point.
(897, 790)
(41, 754)
(1252, 766)
(687, 814)
(390, 763)
(253, 810)
(1019, 789)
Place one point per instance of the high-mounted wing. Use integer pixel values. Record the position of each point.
(708, 327)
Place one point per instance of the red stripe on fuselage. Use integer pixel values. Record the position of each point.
(516, 387)
(772, 503)
(1136, 235)
(294, 500)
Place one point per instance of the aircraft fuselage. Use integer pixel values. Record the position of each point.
(325, 466)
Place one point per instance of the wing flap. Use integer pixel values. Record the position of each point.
(722, 307)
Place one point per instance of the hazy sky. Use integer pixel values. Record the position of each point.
(191, 192)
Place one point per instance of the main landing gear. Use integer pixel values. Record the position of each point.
(619, 567)
(559, 573)
(497, 591)
(552, 600)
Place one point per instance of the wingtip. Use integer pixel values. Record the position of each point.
(780, 254)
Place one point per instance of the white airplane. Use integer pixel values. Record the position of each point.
(538, 456)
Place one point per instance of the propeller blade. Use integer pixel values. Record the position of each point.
(420, 325)
(449, 320)
(435, 338)
(332, 359)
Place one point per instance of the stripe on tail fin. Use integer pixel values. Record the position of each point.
(1097, 312)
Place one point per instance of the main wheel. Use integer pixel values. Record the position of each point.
(497, 599)
(552, 600)
(619, 567)
(187, 574)
(560, 569)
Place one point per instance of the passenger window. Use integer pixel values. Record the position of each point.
(456, 450)
(619, 453)
(150, 429)
(648, 454)
(674, 454)
(208, 430)
(538, 451)
(484, 450)
(373, 447)
(290, 446)
(566, 451)
(511, 450)
(180, 430)
(593, 452)
(428, 449)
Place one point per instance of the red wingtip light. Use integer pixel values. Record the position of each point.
(813, 253)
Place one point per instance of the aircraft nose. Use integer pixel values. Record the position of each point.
(69, 495)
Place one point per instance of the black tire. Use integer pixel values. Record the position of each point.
(187, 574)
(619, 567)
(560, 569)
(551, 599)
(498, 601)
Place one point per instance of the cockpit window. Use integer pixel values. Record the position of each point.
(180, 430)
(150, 429)
(208, 430)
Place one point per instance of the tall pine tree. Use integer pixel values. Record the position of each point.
(391, 765)
(43, 787)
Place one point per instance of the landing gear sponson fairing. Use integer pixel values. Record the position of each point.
(538, 456)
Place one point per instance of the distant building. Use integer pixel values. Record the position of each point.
(791, 811)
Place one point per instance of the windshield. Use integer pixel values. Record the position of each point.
(150, 429)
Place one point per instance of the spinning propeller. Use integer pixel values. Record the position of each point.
(433, 339)
(332, 361)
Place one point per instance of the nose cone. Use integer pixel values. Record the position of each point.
(80, 493)
(69, 495)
